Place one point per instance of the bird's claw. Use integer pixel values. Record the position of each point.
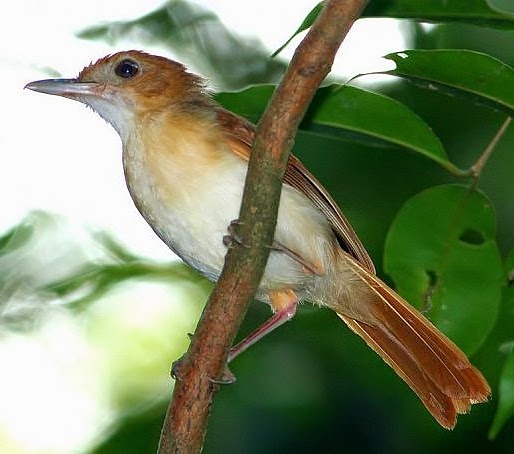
(233, 237)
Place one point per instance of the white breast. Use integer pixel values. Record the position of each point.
(191, 210)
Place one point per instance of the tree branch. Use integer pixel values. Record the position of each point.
(204, 364)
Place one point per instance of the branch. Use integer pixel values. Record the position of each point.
(202, 367)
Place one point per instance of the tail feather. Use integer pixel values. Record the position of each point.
(431, 364)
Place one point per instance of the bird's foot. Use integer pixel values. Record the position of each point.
(233, 237)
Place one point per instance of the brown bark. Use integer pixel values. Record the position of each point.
(204, 364)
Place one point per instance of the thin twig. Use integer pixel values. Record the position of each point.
(202, 368)
(476, 169)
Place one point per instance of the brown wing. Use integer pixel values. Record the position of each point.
(241, 133)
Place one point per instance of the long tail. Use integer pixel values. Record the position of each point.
(430, 363)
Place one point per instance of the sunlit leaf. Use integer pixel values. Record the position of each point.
(343, 111)
(441, 252)
(460, 72)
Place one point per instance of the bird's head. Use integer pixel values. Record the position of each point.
(124, 86)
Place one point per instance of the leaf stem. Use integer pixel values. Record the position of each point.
(476, 169)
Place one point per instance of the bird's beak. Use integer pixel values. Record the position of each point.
(69, 88)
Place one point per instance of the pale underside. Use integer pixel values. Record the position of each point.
(190, 207)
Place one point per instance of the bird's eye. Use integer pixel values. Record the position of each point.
(126, 69)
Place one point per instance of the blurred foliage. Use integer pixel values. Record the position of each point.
(40, 256)
(192, 32)
(85, 314)
(313, 386)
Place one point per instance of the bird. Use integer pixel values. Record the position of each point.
(185, 159)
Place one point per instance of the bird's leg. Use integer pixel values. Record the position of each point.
(233, 237)
(311, 268)
(284, 304)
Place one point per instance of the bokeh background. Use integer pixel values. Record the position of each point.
(94, 308)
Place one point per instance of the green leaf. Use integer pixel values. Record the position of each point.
(505, 408)
(307, 22)
(193, 33)
(173, 23)
(477, 12)
(249, 103)
(441, 252)
(506, 397)
(343, 111)
(360, 112)
(462, 72)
